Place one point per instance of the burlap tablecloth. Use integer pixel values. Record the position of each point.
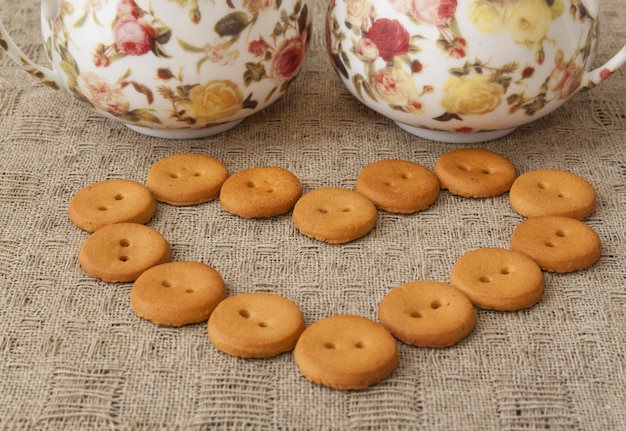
(73, 355)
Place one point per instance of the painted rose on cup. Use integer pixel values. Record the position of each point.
(287, 59)
(479, 66)
(393, 85)
(565, 77)
(439, 14)
(359, 14)
(102, 94)
(471, 94)
(526, 21)
(134, 37)
(212, 101)
(389, 37)
(436, 12)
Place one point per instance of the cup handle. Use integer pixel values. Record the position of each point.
(47, 76)
(599, 74)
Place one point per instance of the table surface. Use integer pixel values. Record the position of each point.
(73, 354)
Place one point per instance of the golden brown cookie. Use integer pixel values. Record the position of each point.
(334, 215)
(177, 293)
(398, 186)
(346, 352)
(498, 279)
(552, 192)
(427, 314)
(121, 252)
(255, 325)
(111, 201)
(557, 243)
(186, 179)
(475, 173)
(260, 192)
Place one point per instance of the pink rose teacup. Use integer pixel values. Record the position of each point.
(168, 68)
(465, 70)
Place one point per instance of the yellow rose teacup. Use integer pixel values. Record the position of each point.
(465, 70)
(172, 69)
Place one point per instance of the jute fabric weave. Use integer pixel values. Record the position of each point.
(74, 356)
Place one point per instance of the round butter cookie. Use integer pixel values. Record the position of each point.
(427, 314)
(121, 252)
(346, 352)
(498, 279)
(334, 215)
(475, 173)
(398, 186)
(177, 293)
(261, 192)
(111, 201)
(552, 192)
(557, 243)
(186, 179)
(255, 325)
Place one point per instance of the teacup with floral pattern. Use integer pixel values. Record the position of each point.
(465, 70)
(172, 68)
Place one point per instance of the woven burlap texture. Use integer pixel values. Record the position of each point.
(74, 356)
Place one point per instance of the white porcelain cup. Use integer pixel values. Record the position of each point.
(170, 68)
(465, 71)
